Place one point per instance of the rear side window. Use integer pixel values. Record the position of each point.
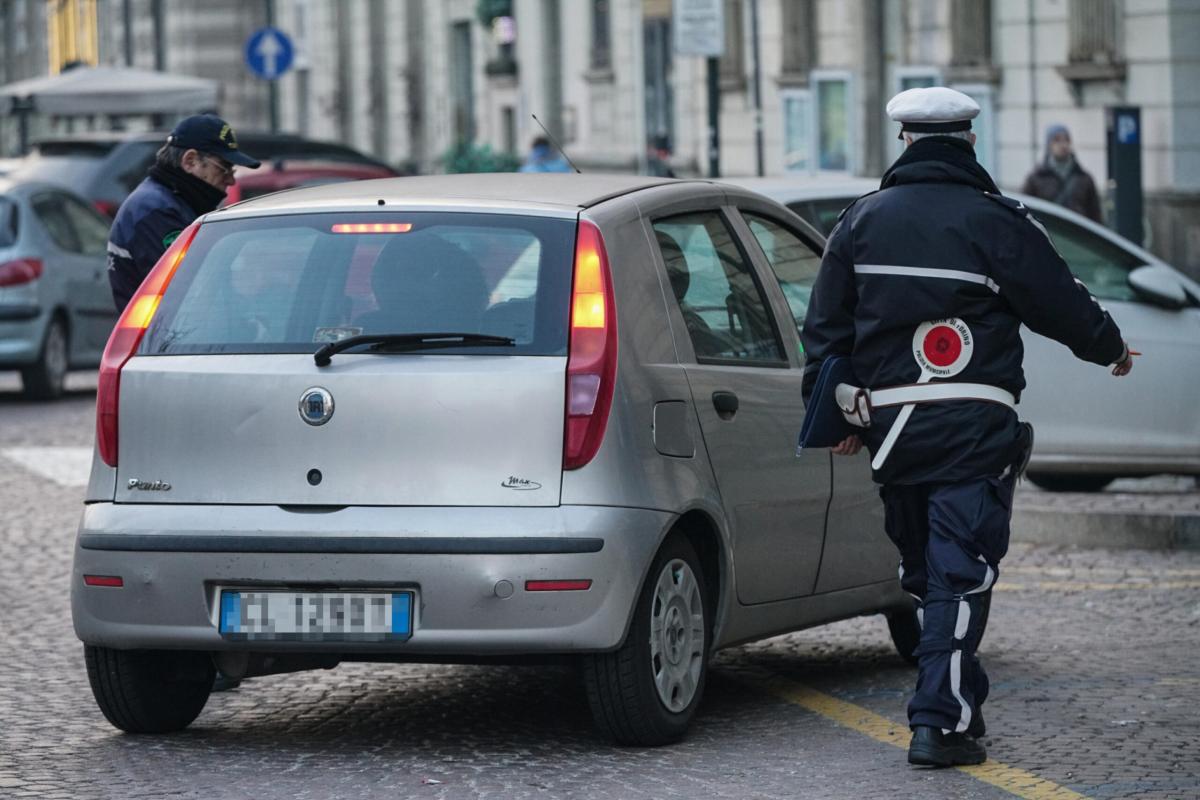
(287, 284)
(722, 304)
(792, 259)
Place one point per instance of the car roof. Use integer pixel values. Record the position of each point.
(547, 191)
(799, 189)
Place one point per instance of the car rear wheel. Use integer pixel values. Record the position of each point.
(647, 691)
(45, 379)
(149, 691)
(1083, 482)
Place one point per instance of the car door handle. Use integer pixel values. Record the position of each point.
(726, 404)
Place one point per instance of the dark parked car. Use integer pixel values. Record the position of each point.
(105, 167)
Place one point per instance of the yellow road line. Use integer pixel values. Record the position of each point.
(1011, 779)
(1092, 586)
(1067, 572)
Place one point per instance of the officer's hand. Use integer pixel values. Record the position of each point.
(848, 446)
(1125, 365)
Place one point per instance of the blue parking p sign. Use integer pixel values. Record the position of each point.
(269, 53)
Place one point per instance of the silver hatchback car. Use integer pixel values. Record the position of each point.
(468, 418)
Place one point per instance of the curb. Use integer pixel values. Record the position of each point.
(1105, 529)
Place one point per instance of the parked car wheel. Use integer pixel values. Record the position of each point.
(646, 692)
(149, 691)
(45, 379)
(905, 627)
(1053, 482)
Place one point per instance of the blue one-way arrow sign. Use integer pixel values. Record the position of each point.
(269, 53)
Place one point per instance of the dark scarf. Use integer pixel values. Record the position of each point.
(939, 159)
(201, 196)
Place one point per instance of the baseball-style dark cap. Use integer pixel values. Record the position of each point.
(209, 133)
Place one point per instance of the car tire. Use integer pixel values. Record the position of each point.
(1059, 482)
(149, 691)
(646, 692)
(45, 379)
(905, 628)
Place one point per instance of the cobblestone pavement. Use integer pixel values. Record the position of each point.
(1092, 654)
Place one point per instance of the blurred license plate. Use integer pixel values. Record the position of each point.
(316, 616)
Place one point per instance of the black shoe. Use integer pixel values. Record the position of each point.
(932, 748)
(977, 729)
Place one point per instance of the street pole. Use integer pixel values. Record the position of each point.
(714, 117)
(273, 83)
(758, 112)
(127, 20)
(160, 35)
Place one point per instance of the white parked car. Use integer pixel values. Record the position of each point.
(1090, 428)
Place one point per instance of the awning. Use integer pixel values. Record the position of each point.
(110, 90)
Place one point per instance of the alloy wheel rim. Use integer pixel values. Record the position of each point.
(677, 634)
(56, 354)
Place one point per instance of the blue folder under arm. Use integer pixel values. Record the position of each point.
(824, 425)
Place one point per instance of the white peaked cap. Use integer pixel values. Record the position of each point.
(935, 109)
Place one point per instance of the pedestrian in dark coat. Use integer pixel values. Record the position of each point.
(924, 286)
(189, 177)
(1060, 179)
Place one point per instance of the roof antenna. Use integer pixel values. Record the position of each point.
(550, 136)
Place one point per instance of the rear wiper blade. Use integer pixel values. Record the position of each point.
(402, 342)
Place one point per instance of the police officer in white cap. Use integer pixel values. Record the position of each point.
(924, 286)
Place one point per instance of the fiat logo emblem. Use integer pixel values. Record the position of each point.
(316, 406)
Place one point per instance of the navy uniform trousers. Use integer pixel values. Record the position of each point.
(951, 537)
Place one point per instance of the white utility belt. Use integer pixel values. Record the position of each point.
(856, 404)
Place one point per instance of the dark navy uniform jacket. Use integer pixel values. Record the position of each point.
(145, 225)
(939, 241)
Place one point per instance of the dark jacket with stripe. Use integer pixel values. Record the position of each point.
(145, 225)
(980, 257)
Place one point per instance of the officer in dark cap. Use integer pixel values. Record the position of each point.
(924, 286)
(189, 177)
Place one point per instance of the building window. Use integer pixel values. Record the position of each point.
(818, 124)
(1094, 51)
(983, 126)
(601, 36)
(799, 41)
(971, 43)
(835, 145)
(463, 81)
(797, 130)
(733, 61)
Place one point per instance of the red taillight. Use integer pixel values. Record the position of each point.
(372, 227)
(592, 359)
(23, 270)
(104, 580)
(126, 337)
(558, 586)
(106, 207)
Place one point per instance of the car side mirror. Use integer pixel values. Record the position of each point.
(1158, 285)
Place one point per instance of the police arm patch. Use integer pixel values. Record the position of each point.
(170, 238)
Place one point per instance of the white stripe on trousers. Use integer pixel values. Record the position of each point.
(961, 625)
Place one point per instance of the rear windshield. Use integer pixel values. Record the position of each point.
(288, 284)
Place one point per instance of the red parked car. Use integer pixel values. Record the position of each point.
(280, 174)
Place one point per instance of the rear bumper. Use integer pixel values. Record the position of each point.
(174, 560)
